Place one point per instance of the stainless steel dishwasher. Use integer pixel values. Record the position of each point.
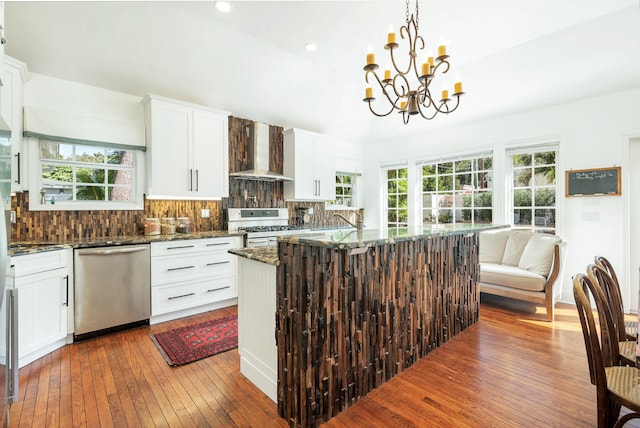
(112, 289)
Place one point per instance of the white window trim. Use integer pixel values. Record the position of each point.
(545, 144)
(354, 194)
(453, 158)
(383, 192)
(35, 181)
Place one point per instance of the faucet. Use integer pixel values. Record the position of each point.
(358, 224)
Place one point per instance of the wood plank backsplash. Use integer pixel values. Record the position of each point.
(60, 226)
(70, 225)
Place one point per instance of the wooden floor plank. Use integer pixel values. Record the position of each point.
(511, 369)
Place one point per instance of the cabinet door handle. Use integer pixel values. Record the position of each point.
(217, 243)
(191, 180)
(197, 179)
(218, 263)
(319, 189)
(18, 156)
(181, 247)
(180, 268)
(218, 289)
(180, 296)
(66, 303)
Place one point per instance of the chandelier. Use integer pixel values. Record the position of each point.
(409, 91)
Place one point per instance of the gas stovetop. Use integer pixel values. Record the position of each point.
(275, 228)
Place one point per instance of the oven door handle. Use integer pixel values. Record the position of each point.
(257, 242)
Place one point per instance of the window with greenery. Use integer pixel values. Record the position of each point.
(72, 172)
(345, 190)
(458, 191)
(534, 189)
(397, 210)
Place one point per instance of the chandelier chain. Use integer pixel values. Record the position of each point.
(407, 11)
(417, 17)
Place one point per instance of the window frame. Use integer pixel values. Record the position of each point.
(384, 170)
(453, 192)
(333, 205)
(512, 188)
(36, 181)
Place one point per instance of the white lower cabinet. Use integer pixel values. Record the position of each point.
(192, 276)
(44, 294)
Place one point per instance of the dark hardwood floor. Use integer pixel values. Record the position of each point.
(510, 369)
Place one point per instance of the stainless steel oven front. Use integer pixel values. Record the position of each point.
(262, 225)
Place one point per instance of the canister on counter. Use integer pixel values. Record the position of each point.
(183, 225)
(151, 226)
(168, 225)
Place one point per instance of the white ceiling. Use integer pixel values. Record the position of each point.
(512, 55)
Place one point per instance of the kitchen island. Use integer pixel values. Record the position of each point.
(355, 308)
(256, 317)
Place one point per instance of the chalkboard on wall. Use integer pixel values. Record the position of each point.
(593, 182)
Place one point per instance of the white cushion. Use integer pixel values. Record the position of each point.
(492, 243)
(538, 254)
(518, 239)
(510, 276)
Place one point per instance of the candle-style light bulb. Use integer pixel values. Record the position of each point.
(391, 37)
(371, 58)
(387, 72)
(445, 92)
(368, 92)
(457, 86)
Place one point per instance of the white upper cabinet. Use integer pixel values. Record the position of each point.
(14, 75)
(187, 150)
(309, 159)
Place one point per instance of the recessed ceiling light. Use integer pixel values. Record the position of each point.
(222, 6)
(311, 47)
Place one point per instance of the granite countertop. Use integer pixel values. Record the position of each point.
(353, 239)
(268, 255)
(31, 247)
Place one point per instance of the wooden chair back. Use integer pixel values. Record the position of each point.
(606, 264)
(602, 348)
(611, 289)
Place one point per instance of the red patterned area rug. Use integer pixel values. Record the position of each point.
(188, 344)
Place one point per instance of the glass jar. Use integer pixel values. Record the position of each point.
(168, 226)
(183, 225)
(152, 226)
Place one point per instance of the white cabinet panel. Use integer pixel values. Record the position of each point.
(210, 157)
(42, 313)
(13, 74)
(187, 150)
(192, 276)
(44, 300)
(309, 159)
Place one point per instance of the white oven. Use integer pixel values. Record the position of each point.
(262, 225)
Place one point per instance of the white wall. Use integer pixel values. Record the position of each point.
(592, 133)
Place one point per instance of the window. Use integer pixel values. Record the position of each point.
(345, 191)
(533, 196)
(397, 211)
(458, 191)
(76, 176)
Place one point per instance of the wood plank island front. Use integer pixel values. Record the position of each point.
(355, 308)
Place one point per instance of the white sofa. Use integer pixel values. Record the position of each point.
(522, 265)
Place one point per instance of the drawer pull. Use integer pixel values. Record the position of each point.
(180, 268)
(218, 289)
(217, 243)
(218, 263)
(181, 247)
(182, 295)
